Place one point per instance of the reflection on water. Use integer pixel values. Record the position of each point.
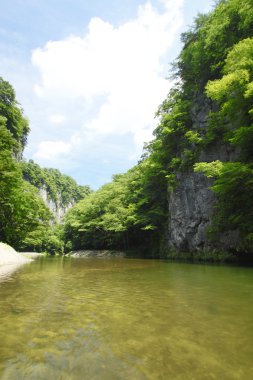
(126, 319)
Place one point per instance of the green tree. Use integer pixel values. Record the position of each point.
(21, 208)
(61, 189)
(234, 94)
(16, 123)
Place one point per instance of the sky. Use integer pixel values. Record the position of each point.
(90, 76)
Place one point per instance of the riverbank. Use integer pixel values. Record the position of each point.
(203, 256)
(10, 260)
(214, 256)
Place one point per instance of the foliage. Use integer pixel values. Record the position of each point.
(234, 95)
(234, 187)
(210, 169)
(25, 221)
(61, 189)
(207, 44)
(16, 123)
(43, 239)
(193, 137)
(121, 214)
(21, 208)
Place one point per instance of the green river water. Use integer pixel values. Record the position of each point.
(126, 319)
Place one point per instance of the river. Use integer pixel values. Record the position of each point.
(63, 318)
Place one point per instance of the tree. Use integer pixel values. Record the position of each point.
(16, 123)
(21, 208)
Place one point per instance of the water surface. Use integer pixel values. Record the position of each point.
(126, 319)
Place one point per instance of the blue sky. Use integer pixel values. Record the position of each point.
(90, 76)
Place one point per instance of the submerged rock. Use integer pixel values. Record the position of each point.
(91, 253)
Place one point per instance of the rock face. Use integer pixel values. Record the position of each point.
(55, 207)
(190, 210)
(191, 203)
(100, 254)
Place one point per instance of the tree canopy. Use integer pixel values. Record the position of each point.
(16, 123)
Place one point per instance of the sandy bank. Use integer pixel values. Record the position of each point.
(10, 260)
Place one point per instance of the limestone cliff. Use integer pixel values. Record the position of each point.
(190, 210)
(191, 202)
(60, 192)
(57, 207)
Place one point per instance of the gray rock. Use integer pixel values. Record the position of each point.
(190, 209)
(55, 207)
(99, 254)
(191, 203)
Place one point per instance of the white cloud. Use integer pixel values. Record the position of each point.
(106, 86)
(51, 150)
(57, 119)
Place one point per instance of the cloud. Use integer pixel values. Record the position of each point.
(51, 150)
(108, 82)
(57, 119)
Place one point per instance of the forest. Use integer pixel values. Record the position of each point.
(26, 221)
(213, 79)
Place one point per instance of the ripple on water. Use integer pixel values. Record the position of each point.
(126, 319)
